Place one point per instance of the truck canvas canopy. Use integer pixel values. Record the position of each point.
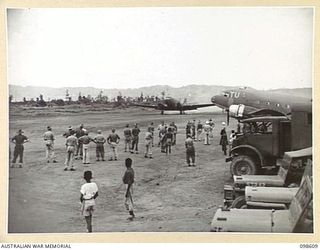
(265, 119)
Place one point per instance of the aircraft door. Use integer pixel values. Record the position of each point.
(285, 137)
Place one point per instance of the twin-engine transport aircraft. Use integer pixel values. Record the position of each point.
(247, 102)
(173, 104)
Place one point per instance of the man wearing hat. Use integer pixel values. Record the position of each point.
(19, 140)
(100, 141)
(48, 137)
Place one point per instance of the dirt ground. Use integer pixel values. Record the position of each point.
(168, 195)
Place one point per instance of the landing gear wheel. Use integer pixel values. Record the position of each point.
(239, 202)
(243, 165)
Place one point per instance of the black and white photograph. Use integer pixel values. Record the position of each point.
(160, 119)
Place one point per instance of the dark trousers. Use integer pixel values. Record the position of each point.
(190, 156)
(135, 142)
(100, 151)
(18, 152)
(224, 149)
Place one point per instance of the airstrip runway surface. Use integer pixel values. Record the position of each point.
(168, 195)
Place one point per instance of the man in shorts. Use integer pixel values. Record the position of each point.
(89, 192)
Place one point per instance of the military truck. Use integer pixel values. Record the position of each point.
(298, 218)
(250, 187)
(264, 140)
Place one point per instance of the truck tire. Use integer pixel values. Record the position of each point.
(243, 165)
(239, 202)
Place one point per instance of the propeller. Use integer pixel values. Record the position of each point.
(228, 116)
(228, 110)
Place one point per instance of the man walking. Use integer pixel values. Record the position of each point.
(128, 180)
(127, 138)
(48, 137)
(18, 140)
(71, 144)
(190, 151)
(135, 139)
(113, 140)
(100, 141)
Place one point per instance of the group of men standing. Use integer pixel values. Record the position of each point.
(77, 142)
(200, 131)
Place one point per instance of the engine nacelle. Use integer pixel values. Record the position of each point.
(241, 111)
(237, 111)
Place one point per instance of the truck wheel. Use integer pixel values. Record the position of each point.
(243, 165)
(239, 202)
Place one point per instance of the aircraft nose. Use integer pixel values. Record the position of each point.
(220, 100)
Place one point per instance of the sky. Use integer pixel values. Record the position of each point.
(263, 48)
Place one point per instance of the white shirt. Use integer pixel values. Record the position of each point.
(89, 190)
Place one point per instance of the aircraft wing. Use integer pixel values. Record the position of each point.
(243, 111)
(196, 106)
(154, 106)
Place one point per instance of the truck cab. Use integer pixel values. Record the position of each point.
(264, 140)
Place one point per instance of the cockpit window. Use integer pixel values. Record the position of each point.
(225, 94)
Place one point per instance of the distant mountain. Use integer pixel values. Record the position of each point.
(193, 93)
